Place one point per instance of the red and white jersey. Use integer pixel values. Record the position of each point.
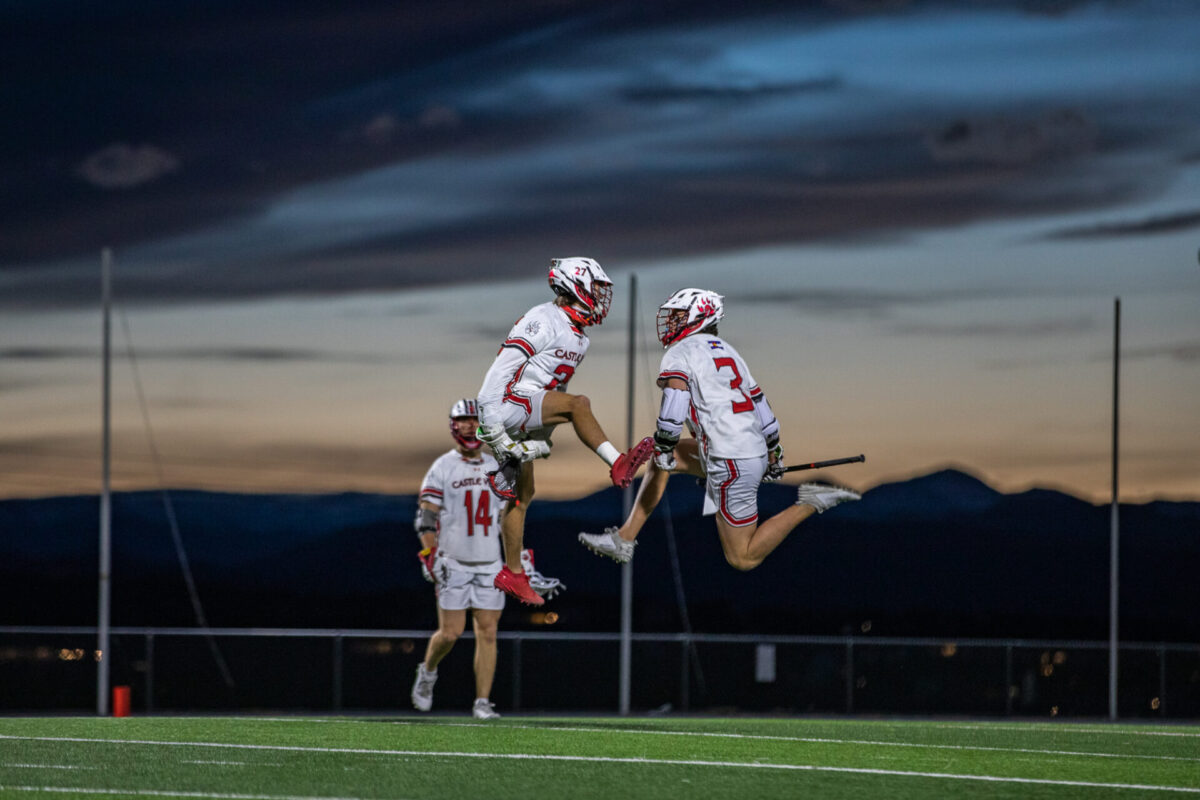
(469, 519)
(541, 352)
(723, 393)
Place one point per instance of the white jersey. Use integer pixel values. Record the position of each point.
(541, 352)
(723, 394)
(469, 519)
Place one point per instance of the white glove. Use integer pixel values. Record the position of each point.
(775, 465)
(497, 438)
(529, 450)
(665, 461)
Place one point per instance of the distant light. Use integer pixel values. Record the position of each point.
(407, 646)
(1155, 703)
(866, 626)
(1047, 670)
(543, 618)
(1060, 658)
(98, 655)
(949, 649)
(1054, 711)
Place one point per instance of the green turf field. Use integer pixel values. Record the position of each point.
(586, 757)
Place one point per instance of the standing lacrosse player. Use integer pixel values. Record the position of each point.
(524, 397)
(459, 529)
(708, 386)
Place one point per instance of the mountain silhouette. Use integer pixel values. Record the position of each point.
(942, 554)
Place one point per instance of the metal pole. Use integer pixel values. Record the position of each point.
(102, 679)
(626, 671)
(1115, 527)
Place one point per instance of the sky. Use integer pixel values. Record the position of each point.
(324, 218)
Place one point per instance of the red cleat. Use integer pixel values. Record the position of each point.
(627, 465)
(517, 586)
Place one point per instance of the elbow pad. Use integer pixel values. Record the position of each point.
(425, 521)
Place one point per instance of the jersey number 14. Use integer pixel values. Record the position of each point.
(481, 514)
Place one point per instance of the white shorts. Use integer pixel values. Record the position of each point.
(522, 416)
(731, 488)
(464, 589)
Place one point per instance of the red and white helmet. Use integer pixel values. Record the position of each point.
(582, 281)
(464, 409)
(686, 312)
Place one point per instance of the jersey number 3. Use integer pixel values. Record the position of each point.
(481, 514)
(739, 406)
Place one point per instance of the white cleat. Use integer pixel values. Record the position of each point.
(484, 710)
(422, 691)
(822, 497)
(609, 544)
(542, 584)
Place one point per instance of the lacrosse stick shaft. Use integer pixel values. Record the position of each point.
(833, 462)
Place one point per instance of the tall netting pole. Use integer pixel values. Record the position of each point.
(627, 504)
(102, 651)
(1115, 527)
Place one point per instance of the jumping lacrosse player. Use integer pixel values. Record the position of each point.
(524, 396)
(459, 528)
(708, 386)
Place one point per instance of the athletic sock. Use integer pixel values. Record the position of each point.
(609, 453)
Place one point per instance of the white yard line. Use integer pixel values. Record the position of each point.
(597, 760)
(164, 793)
(804, 739)
(44, 766)
(1115, 731)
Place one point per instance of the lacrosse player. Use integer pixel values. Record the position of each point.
(524, 397)
(458, 525)
(707, 386)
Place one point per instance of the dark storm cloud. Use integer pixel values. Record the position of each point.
(371, 147)
(1034, 329)
(1167, 223)
(230, 354)
(863, 302)
(1183, 352)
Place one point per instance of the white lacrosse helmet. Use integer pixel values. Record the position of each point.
(462, 409)
(686, 312)
(582, 281)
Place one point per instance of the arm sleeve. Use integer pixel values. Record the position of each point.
(673, 411)
(504, 369)
(766, 417)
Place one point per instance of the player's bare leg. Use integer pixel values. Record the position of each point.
(512, 579)
(485, 622)
(450, 627)
(654, 484)
(559, 407)
(618, 543)
(746, 546)
(512, 523)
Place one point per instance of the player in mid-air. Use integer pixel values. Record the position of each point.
(459, 528)
(707, 386)
(524, 397)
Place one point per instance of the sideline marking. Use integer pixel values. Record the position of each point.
(599, 760)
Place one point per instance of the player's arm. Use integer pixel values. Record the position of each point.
(676, 399)
(425, 522)
(770, 431)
